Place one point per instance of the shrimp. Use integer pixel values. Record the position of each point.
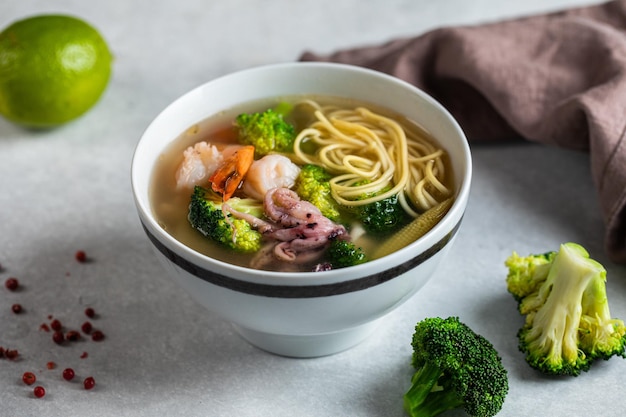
(199, 163)
(231, 172)
(271, 171)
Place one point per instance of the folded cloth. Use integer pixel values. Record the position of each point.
(556, 78)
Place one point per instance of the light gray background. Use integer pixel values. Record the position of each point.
(68, 189)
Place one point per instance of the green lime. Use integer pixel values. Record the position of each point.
(53, 68)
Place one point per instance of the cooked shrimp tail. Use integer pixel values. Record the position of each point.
(231, 172)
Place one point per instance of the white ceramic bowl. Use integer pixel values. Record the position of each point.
(314, 313)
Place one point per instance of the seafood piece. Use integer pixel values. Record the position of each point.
(305, 231)
(265, 259)
(230, 173)
(271, 171)
(199, 163)
(296, 231)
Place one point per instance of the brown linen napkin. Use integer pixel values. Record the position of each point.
(557, 78)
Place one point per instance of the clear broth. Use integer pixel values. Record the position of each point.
(170, 205)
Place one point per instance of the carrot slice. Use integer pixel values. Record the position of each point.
(229, 175)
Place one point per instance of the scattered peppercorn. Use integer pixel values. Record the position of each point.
(90, 312)
(58, 337)
(68, 374)
(39, 391)
(81, 256)
(56, 325)
(29, 378)
(12, 284)
(11, 353)
(89, 383)
(72, 336)
(86, 327)
(97, 336)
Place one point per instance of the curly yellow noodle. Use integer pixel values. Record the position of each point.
(431, 174)
(368, 152)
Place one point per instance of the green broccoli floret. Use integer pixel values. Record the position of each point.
(206, 215)
(267, 131)
(527, 273)
(455, 368)
(313, 185)
(568, 323)
(383, 216)
(342, 253)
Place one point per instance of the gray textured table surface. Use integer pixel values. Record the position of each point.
(68, 189)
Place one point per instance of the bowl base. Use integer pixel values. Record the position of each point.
(308, 346)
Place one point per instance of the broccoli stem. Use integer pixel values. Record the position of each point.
(595, 302)
(427, 399)
(600, 334)
(561, 312)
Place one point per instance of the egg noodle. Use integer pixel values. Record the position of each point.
(369, 153)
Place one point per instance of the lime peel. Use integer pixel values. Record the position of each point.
(53, 69)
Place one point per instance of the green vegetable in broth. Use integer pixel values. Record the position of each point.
(414, 230)
(342, 254)
(267, 131)
(332, 183)
(381, 216)
(313, 186)
(206, 216)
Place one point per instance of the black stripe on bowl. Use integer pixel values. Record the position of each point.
(301, 291)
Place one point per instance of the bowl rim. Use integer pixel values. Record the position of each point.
(259, 281)
(303, 287)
